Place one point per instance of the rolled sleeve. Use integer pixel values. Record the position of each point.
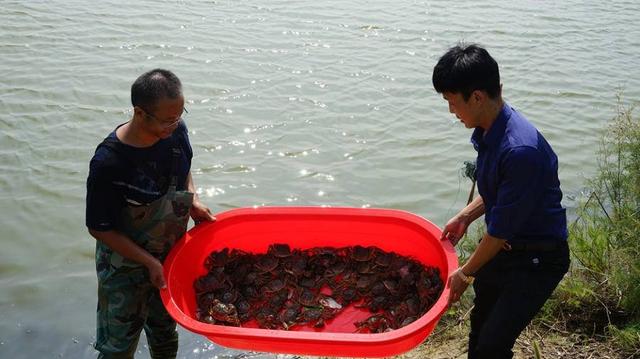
(521, 186)
(101, 201)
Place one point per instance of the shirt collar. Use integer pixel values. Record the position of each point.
(496, 131)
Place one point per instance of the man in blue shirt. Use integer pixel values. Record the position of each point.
(523, 254)
(140, 196)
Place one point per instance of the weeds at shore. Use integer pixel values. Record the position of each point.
(601, 293)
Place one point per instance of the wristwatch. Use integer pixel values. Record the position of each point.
(465, 278)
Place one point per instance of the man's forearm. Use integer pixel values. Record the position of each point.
(124, 246)
(488, 247)
(191, 187)
(473, 210)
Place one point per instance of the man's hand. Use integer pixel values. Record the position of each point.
(199, 212)
(124, 246)
(455, 229)
(156, 275)
(457, 285)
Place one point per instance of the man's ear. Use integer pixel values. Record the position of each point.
(478, 96)
(138, 112)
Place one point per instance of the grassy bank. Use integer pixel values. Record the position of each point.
(601, 294)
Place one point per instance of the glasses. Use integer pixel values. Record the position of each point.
(167, 124)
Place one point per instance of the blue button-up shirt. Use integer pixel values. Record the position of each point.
(517, 176)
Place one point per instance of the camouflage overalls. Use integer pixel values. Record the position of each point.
(127, 301)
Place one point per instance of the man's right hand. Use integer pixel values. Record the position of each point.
(124, 246)
(156, 274)
(455, 229)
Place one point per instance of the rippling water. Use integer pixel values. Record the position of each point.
(290, 103)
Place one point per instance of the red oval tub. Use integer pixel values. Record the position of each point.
(253, 229)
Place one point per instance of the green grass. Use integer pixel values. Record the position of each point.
(601, 293)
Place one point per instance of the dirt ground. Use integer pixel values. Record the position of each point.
(450, 342)
(551, 344)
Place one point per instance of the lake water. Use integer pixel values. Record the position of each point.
(290, 103)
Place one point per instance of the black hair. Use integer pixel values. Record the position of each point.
(466, 68)
(154, 85)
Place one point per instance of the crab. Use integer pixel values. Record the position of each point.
(346, 295)
(365, 267)
(429, 286)
(307, 282)
(295, 264)
(323, 257)
(307, 298)
(249, 291)
(207, 283)
(278, 299)
(289, 316)
(408, 279)
(204, 300)
(364, 283)
(362, 254)
(283, 288)
(311, 316)
(229, 296)
(391, 285)
(336, 269)
(383, 259)
(414, 305)
(239, 272)
(204, 317)
(328, 302)
(217, 259)
(376, 323)
(243, 306)
(267, 318)
(273, 286)
(408, 320)
(378, 289)
(225, 313)
(267, 263)
(279, 250)
(378, 303)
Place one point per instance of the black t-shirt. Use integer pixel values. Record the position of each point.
(127, 175)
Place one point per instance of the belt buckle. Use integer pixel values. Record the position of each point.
(506, 247)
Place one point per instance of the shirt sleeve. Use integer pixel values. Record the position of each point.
(521, 173)
(186, 143)
(184, 167)
(102, 200)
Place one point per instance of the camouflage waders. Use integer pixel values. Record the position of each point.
(127, 301)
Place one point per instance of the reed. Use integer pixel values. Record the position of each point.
(601, 293)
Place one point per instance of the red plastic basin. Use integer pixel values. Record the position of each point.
(253, 229)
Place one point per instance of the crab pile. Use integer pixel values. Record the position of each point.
(284, 288)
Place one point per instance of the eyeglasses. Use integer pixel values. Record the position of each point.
(167, 124)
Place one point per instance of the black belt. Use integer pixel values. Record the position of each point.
(534, 246)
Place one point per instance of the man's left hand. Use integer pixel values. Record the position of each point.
(458, 286)
(199, 212)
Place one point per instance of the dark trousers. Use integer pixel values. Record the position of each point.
(510, 289)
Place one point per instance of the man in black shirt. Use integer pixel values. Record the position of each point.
(140, 195)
